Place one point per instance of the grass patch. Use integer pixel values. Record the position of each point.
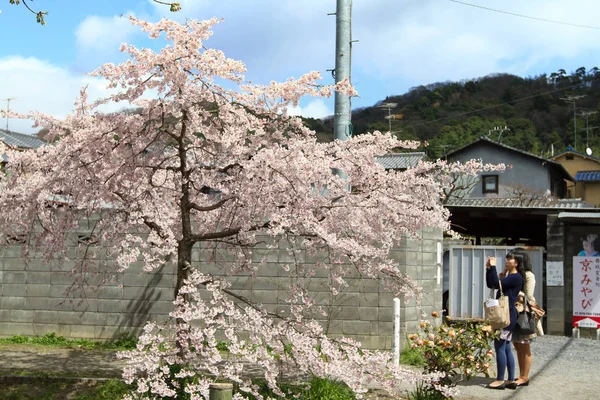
(125, 342)
(423, 392)
(316, 389)
(60, 389)
(412, 356)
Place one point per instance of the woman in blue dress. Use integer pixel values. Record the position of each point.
(512, 283)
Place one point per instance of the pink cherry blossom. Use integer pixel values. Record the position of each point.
(199, 163)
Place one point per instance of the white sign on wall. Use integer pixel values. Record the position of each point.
(586, 291)
(555, 273)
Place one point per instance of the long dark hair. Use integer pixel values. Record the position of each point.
(522, 257)
(525, 255)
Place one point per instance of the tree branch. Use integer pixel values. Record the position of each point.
(226, 233)
(197, 207)
(173, 7)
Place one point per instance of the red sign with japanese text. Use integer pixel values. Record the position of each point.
(586, 291)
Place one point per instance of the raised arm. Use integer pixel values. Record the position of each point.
(491, 277)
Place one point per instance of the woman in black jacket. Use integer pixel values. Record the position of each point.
(512, 284)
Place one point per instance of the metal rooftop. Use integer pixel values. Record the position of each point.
(400, 160)
(20, 140)
(548, 203)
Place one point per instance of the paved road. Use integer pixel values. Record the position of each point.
(60, 361)
(563, 368)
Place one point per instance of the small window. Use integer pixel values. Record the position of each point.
(490, 183)
(570, 157)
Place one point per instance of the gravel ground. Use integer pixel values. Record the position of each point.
(563, 368)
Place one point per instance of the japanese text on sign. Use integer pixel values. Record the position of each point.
(554, 273)
(586, 288)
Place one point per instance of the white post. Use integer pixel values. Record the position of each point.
(576, 332)
(440, 254)
(597, 334)
(396, 338)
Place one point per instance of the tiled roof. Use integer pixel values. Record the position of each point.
(20, 140)
(588, 176)
(479, 202)
(400, 160)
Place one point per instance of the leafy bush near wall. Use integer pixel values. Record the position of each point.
(459, 350)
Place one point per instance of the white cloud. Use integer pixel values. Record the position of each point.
(44, 87)
(41, 86)
(314, 109)
(401, 44)
(103, 33)
(408, 42)
(429, 41)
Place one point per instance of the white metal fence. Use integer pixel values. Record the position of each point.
(465, 268)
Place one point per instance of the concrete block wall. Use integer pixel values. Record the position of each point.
(363, 310)
(34, 299)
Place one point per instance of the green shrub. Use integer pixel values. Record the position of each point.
(326, 389)
(424, 392)
(109, 390)
(315, 389)
(412, 356)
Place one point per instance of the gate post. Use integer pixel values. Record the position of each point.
(220, 391)
(396, 338)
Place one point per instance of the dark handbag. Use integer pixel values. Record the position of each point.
(526, 320)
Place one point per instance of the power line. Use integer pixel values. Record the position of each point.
(525, 16)
(497, 105)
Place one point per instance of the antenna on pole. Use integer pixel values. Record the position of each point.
(444, 147)
(8, 100)
(573, 99)
(587, 129)
(500, 131)
(389, 107)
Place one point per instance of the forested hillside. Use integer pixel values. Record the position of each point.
(538, 111)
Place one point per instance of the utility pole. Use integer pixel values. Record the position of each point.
(342, 127)
(8, 100)
(444, 147)
(573, 99)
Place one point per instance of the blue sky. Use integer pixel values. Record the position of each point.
(402, 43)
